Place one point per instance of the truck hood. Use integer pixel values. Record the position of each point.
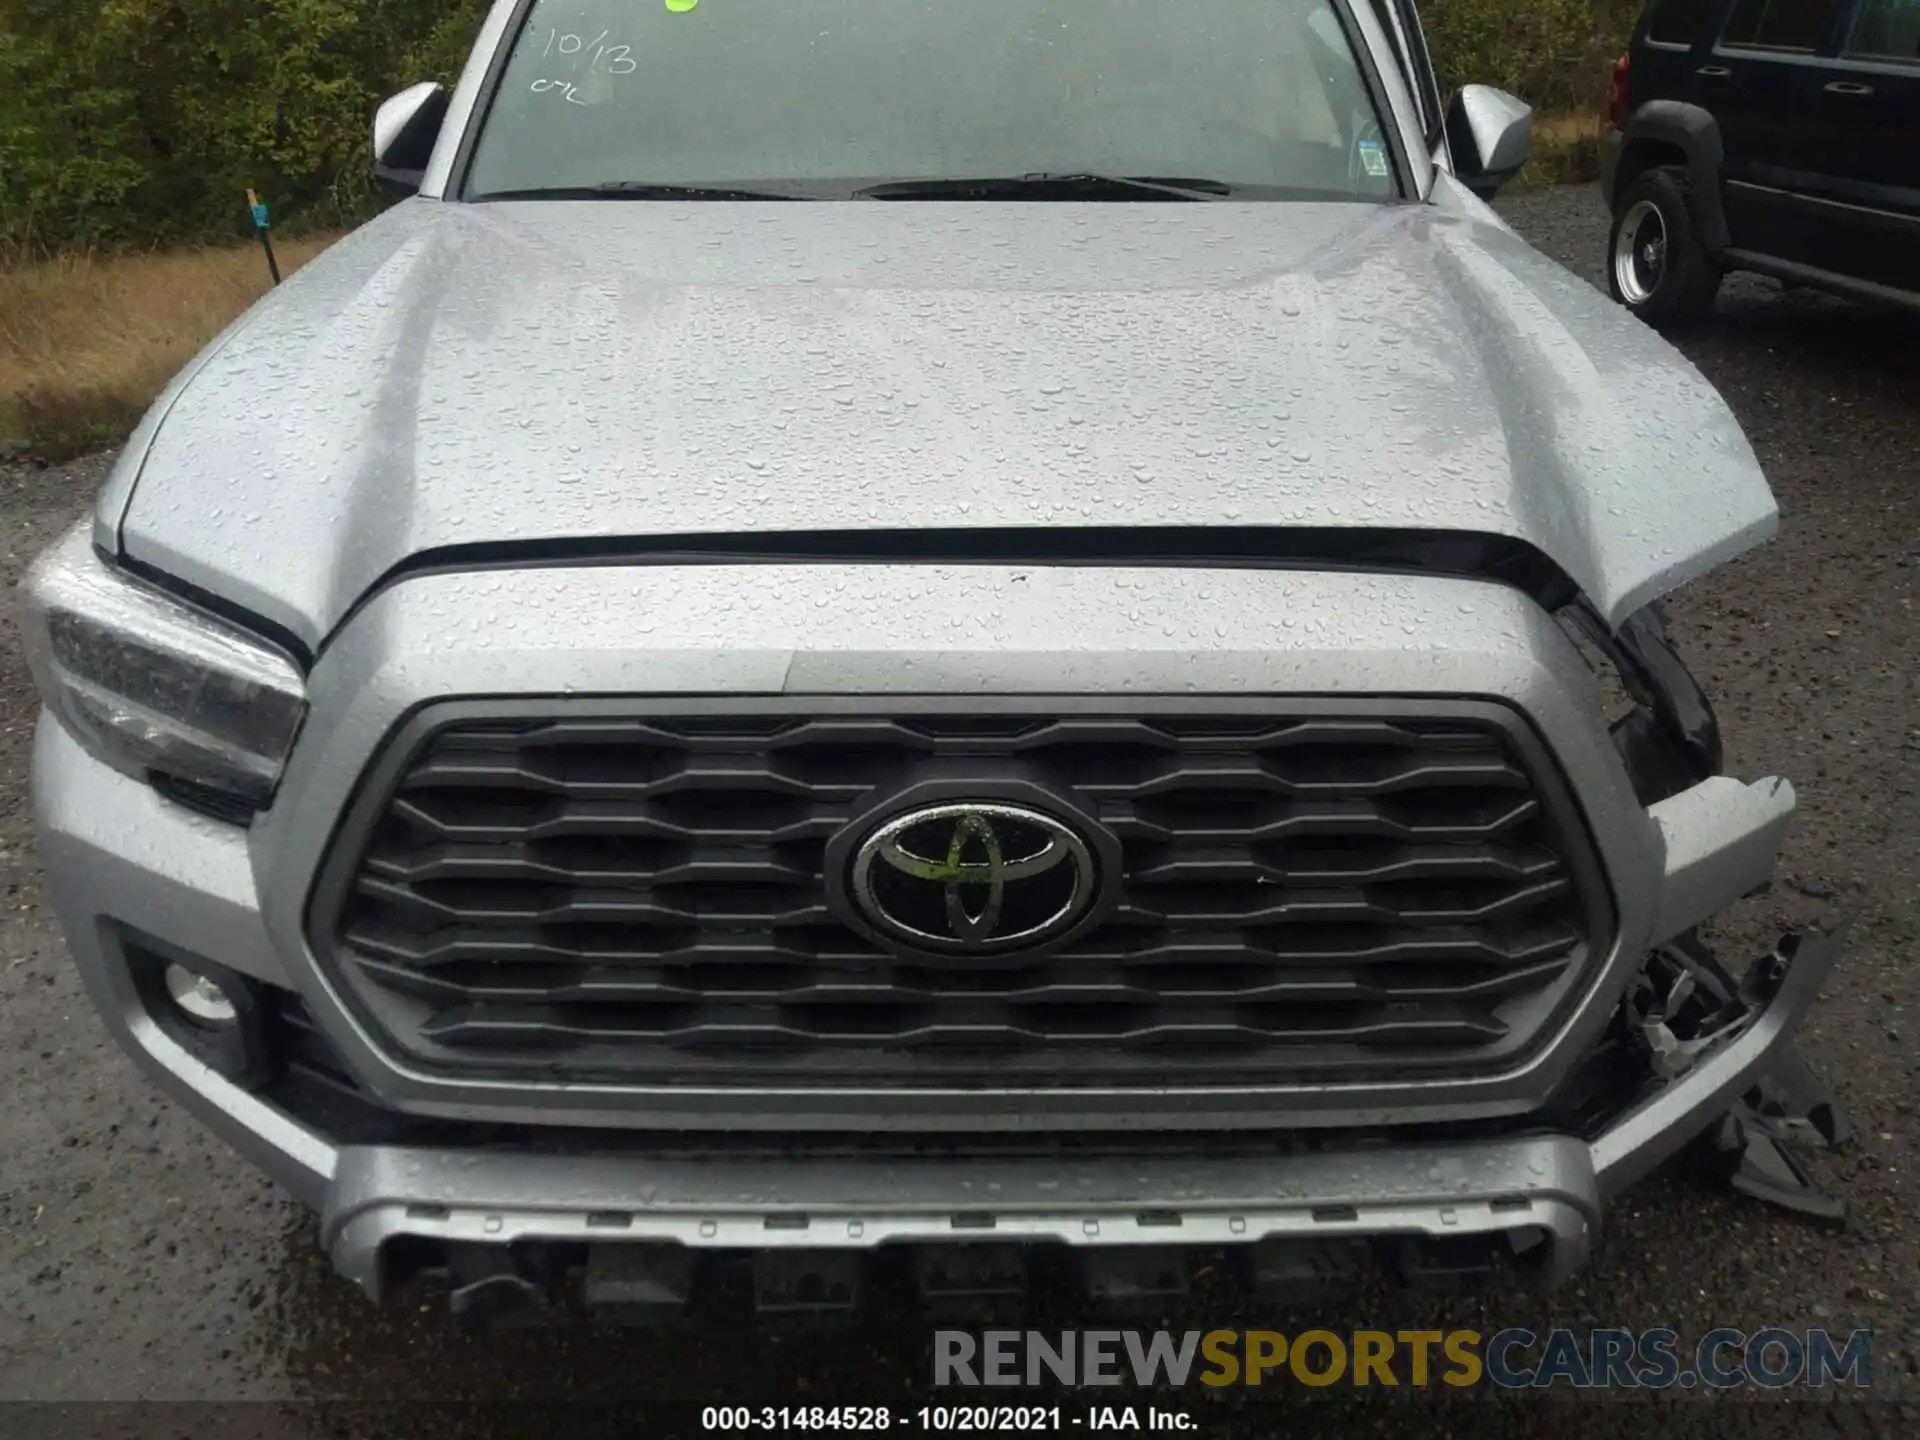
(460, 375)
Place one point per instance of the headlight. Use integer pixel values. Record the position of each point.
(151, 685)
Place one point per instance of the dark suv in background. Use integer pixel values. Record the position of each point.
(1778, 136)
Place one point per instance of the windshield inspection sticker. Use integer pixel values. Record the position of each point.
(1373, 157)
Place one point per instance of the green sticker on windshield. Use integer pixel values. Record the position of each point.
(681, 7)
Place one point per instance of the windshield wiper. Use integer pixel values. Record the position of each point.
(1080, 184)
(637, 190)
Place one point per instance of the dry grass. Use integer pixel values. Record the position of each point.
(87, 342)
(1566, 149)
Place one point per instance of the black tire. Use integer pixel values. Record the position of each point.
(1656, 264)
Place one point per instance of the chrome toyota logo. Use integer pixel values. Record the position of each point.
(973, 876)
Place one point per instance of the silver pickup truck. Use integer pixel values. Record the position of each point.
(869, 632)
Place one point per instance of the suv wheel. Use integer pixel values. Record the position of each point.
(1657, 266)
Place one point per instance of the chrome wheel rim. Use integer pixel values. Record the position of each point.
(1640, 252)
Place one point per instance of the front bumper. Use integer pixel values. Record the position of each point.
(1554, 1184)
(115, 849)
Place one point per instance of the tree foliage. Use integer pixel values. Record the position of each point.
(140, 122)
(1556, 54)
(144, 121)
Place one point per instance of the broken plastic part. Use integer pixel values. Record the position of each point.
(1680, 704)
(1683, 1004)
(1671, 740)
(1760, 1166)
(1793, 1103)
(1789, 1105)
(1763, 977)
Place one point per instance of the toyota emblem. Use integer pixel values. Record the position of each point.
(973, 876)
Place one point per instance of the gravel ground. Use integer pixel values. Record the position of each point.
(140, 1260)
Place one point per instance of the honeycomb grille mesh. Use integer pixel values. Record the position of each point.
(644, 900)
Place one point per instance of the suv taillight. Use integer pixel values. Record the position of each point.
(1617, 95)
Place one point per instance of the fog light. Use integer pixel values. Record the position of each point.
(220, 1017)
(200, 999)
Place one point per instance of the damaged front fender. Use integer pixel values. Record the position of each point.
(1722, 840)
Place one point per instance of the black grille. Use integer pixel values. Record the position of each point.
(643, 899)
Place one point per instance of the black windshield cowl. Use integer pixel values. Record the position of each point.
(1040, 185)
(639, 190)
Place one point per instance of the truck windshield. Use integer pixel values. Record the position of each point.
(906, 99)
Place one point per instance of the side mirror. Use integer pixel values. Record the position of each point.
(1489, 133)
(405, 129)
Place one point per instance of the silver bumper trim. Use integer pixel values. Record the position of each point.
(381, 1193)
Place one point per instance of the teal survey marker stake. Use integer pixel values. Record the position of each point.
(259, 209)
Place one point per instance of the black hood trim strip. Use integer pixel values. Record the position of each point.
(1460, 554)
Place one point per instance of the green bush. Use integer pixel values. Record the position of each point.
(142, 122)
(1555, 54)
